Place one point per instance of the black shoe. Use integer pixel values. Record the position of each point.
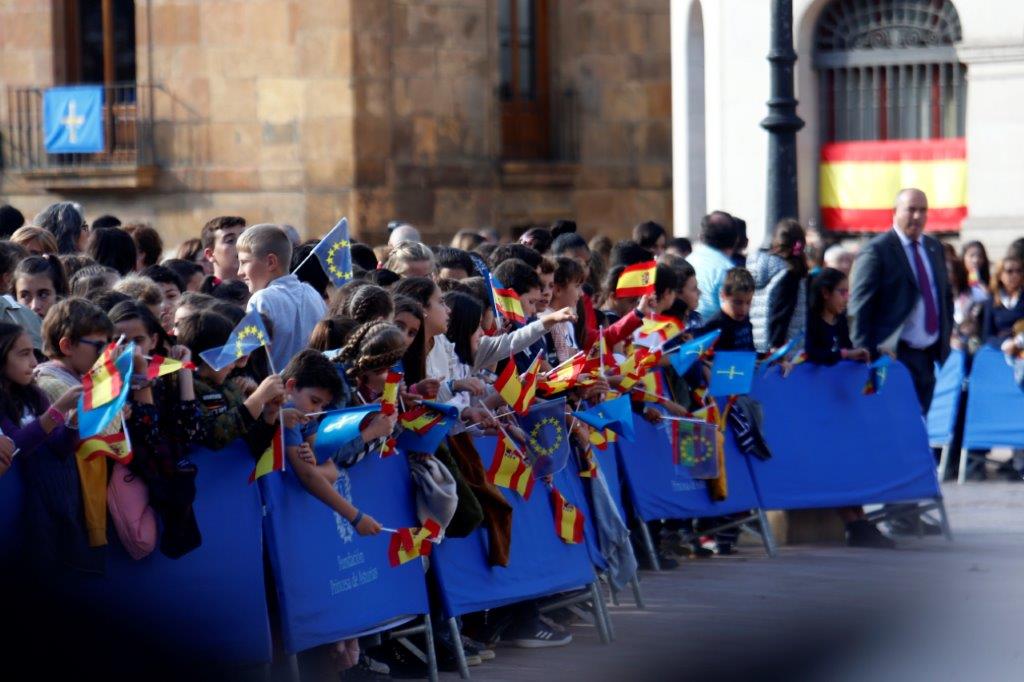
(401, 662)
(367, 670)
(910, 527)
(535, 635)
(725, 549)
(861, 533)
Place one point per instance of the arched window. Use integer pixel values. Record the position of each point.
(892, 98)
(889, 71)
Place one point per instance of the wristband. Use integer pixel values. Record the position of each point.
(358, 517)
(55, 414)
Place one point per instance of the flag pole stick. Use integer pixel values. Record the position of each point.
(395, 530)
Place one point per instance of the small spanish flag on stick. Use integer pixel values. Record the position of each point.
(115, 446)
(568, 519)
(159, 366)
(272, 458)
(389, 397)
(519, 392)
(509, 468)
(507, 302)
(636, 280)
(103, 382)
(411, 543)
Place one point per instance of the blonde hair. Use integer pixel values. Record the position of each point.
(404, 253)
(30, 233)
(143, 289)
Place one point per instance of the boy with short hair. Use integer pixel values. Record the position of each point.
(733, 317)
(311, 383)
(294, 307)
(219, 237)
(515, 274)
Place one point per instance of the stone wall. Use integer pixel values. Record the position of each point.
(300, 112)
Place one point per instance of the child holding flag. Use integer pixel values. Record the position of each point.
(45, 447)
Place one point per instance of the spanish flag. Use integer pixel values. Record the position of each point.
(588, 463)
(115, 446)
(600, 360)
(272, 458)
(420, 419)
(636, 280)
(859, 182)
(659, 328)
(507, 302)
(518, 392)
(639, 362)
(103, 382)
(159, 366)
(389, 397)
(412, 543)
(568, 519)
(564, 376)
(509, 468)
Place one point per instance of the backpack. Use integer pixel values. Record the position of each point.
(134, 520)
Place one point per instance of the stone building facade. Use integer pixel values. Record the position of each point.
(301, 111)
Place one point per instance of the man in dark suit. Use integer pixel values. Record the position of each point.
(900, 298)
(901, 303)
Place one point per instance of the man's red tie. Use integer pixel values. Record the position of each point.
(931, 312)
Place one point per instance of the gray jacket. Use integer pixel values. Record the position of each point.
(768, 271)
(494, 349)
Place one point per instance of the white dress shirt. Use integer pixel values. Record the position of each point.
(914, 333)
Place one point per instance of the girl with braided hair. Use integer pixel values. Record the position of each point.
(372, 349)
(370, 302)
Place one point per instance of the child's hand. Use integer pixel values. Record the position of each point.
(408, 398)
(270, 389)
(859, 355)
(181, 353)
(652, 415)
(293, 417)
(427, 388)
(68, 400)
(305, 453)
(648, 304)
(368, 525)
(6, 454)
(471, 384)
(556, 316)
(381, 425)
(596, 391)
(476, 415)
(139, 361)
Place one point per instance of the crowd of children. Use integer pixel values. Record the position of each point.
(70, 288)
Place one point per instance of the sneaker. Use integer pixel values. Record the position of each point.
(862, 533)
(535, 635)
(401, 662)
(367, 669)
(485, 653)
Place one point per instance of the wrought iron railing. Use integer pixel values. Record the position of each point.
(128, 131)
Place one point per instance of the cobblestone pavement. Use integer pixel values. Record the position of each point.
(930, 610)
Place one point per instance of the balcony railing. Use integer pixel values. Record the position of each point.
(128, 159)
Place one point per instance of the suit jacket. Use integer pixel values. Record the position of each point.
(884, 292)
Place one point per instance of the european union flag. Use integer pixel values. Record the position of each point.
(73, 120)
(691, 351)
(616, 415)
(92, 422)
(732, 373)
(425, 429)
(335, 254)
(547, 440)
(339, 428)
(248, 335)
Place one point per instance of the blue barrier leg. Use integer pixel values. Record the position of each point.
(766, 533)
(944, 519)
(599, 621)
(637, 596)
(961, 476)
(943, 463)
(460, 654)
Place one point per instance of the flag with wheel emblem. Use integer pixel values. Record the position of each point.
(568, 519)
(509, 468)
(412, 543)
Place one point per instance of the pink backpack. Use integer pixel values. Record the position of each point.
(128, 502)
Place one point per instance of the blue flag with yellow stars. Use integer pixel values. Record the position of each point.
(335, 254)
(732, 373)
(246, 337)
(547, 440)
(616, 415)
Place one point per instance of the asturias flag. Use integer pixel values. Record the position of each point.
(878, 372)
(616, 415)
(338, 428)
(732, 373)
(691, 351)
(335, 254)
(93, 421)
(73, 120)
(248, 335)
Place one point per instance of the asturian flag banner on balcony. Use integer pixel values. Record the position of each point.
(73, 120)
(859, 182)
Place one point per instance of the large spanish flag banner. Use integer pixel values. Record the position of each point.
(859, 182)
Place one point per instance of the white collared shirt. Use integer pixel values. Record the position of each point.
(914, 333)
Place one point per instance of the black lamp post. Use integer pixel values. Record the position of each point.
(782, 121)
